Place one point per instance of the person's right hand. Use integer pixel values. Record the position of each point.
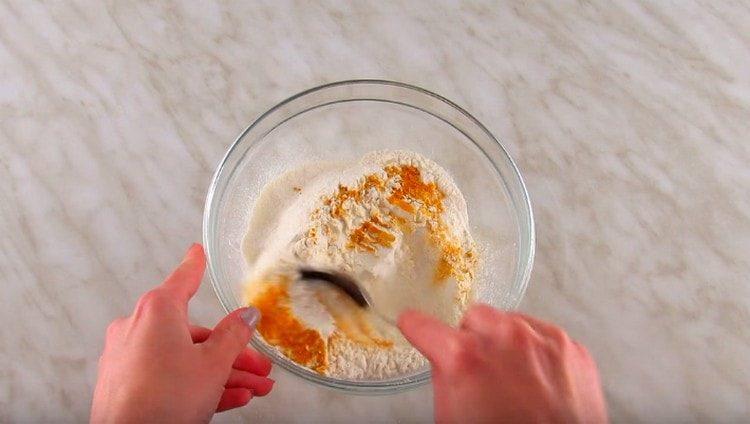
(506, 367)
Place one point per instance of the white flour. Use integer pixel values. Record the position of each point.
(396, 222)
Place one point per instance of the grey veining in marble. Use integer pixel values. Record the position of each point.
(629, 120)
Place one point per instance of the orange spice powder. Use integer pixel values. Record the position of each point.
(370, 235)
(281, 328)
(412, 195)
(342, 195)
(413, 187)
(454, 260)
(413, 190)
(373, 181)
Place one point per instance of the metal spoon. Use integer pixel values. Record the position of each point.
(347, 284)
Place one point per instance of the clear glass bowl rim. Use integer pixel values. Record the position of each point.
(362, 387)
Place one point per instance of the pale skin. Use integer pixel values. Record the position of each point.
(506, 367)
(496, 367)
(156, 367)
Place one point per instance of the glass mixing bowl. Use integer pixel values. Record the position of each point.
(343, 121)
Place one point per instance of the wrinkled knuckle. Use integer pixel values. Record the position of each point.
(462, 353)
(517, 321)
(521, 335)
(560, 336)
(149, 298)
(240, 339)
(481, 312)
(152, 300)
(114, 327)
(583, 351)
(521, 340)
(234, 338)
(559, 344)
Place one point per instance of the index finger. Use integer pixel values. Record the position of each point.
(184, 281)
(428, 334)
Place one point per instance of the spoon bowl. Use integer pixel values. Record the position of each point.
(340, 280)
(345, 283)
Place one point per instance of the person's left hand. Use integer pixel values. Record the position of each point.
(156, 367)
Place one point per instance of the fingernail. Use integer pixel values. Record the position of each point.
(250, 315)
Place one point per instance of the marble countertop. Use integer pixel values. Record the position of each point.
(629, 120)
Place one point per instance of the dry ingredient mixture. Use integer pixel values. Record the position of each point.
(396, 222)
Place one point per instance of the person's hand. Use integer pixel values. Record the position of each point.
(156, 367)
(506, 367)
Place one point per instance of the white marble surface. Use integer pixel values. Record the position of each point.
(630, 121)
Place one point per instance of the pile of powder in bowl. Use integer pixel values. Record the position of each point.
(394, 221)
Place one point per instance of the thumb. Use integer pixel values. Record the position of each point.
(230, 337)
(428, 334)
